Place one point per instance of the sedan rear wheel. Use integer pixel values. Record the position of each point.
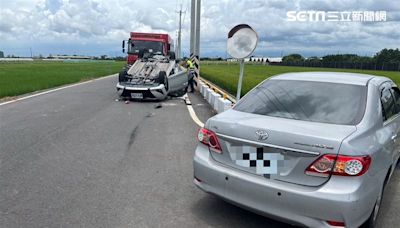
(371, 222)
(377, 207)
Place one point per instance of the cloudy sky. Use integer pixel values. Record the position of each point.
(96, 27)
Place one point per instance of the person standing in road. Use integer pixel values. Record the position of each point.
(190, 66)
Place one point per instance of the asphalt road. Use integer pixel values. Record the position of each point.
(78, 158)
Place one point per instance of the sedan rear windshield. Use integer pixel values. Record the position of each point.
(305, 100)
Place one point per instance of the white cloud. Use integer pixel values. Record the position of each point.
(98, 26)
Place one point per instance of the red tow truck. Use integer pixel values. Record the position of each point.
(157, 43)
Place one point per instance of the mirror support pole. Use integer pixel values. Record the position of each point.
(239, 87)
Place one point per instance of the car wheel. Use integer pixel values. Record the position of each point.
(162, 79)
(166, 83)
(122, 76)
(371, 222)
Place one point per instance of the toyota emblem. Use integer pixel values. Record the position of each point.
(261, 135)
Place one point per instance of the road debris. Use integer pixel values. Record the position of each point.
(150, 114)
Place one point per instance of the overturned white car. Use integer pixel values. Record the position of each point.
(152, 77)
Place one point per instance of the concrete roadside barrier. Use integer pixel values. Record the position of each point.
(215, 103)
(223, 105)
(205, 91)
(203, 88)
(213, 95)
(218, 98)
(208, 94)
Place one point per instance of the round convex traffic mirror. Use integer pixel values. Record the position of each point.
(242, 41)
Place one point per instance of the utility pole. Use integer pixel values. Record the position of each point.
(192, 26)
(197, 47)
(30, 49)
(179, 45)
(195, 39)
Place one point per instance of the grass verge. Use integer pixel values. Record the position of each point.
(226, 75)
(18, 78)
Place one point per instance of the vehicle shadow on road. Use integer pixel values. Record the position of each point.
(388, 216)
(219, 213)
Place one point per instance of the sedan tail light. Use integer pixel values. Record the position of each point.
(336, 224)
(339, 165)
(209, 138)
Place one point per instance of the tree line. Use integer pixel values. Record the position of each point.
(386, 59)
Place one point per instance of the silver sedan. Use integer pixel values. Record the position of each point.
(312, 149)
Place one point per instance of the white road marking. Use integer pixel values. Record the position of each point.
(54, 90)
(192, 113)
(168, 104)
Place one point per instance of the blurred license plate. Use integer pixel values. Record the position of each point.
(258, 160)
(137, 95)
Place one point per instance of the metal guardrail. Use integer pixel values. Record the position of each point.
(217, 89)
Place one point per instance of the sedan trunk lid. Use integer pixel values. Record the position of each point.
(277, 148)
